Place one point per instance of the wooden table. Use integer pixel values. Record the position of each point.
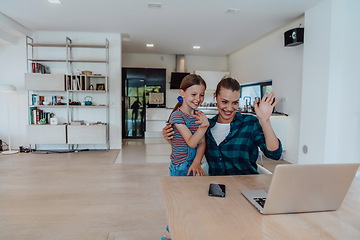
(193, 215)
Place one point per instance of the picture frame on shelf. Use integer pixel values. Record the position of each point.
(100, 87)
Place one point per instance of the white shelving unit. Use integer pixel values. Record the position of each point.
(80, 102)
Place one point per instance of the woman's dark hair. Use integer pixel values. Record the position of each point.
(188, 81)
(227, 83)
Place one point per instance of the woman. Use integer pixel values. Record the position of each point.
(233, 139)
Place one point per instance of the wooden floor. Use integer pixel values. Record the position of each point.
(86, 195)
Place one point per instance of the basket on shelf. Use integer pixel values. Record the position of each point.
(87, 73)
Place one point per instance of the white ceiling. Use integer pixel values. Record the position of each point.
(174, 28)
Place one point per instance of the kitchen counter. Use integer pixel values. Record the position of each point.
(274, 114)
(212, 111)
(156, 118)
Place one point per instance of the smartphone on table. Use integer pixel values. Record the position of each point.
(217, 190)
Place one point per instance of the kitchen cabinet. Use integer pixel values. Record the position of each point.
(212, 78)
(155, 121)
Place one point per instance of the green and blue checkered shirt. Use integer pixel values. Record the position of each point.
(238, 152)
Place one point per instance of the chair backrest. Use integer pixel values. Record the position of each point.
(263, 170)
(205, 168)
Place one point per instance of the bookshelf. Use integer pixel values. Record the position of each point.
(71, 107)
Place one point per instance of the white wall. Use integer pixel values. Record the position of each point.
(192, 63)
(268, 59)
(330, 122)
(13, 67)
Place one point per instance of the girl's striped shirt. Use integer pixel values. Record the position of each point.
(179, 147)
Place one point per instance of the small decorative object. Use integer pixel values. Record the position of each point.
(87, 73)
(100, 87)
(58, 100)
(42, 121)
(91, 87)
(53, 119)
(74, 103)
(77, 122)
(88, 100)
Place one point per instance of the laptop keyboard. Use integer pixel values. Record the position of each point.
(260, 201)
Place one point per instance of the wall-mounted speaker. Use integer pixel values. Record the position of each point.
(294, 37)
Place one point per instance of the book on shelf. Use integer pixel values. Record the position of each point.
(77, 122)
(35, 112)
(34, 99)
(36, 115)
(31, 115)
(39, 68)
(37, 100)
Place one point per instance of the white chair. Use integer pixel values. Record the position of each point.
(260, 157)
(263, 170)
(205, 167)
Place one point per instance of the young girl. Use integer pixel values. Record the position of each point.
(188, 144)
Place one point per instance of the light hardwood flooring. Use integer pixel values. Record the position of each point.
(86, 195)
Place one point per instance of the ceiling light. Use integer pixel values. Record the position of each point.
(54, 1)
(154, 5)
(233, 10)
(196, 47)
(150, 45)
(125, 37)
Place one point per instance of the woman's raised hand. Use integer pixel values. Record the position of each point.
(265, 107)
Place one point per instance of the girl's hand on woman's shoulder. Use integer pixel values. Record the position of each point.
(202, 119)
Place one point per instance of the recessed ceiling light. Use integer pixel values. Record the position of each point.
(54, 1)
(196, 47)
(150, 45)
(233, 10)
(125, 37)
(154, 5)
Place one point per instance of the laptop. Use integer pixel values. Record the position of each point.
(304, 188)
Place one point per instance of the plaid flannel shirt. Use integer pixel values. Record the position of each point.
(238, 152)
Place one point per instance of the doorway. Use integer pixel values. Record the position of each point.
(134, 108)
(142, 88)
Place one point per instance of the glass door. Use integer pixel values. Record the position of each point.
(134, 108)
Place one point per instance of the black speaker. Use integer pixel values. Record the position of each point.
(294, 37)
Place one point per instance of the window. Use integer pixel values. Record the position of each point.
(249, 91)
